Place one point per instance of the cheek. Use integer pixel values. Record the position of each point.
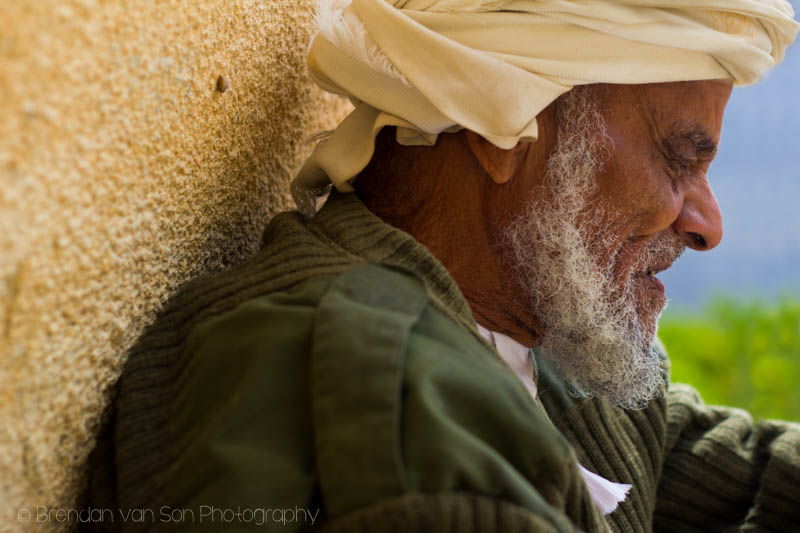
(641, 198)
(660, 208)
(636, 184)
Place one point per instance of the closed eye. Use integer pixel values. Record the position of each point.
(686, 149)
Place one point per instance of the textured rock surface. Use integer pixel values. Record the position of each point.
(124, 171)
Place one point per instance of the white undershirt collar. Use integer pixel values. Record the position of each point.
(605, 494)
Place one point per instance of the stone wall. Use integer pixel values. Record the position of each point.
(141, 144)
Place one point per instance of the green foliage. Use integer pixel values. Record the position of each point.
(745, 354)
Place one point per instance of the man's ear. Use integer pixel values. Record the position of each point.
(501, 165)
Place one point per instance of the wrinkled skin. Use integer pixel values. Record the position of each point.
(663, 139)
(457, 197)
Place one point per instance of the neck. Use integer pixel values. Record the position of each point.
(451, 207)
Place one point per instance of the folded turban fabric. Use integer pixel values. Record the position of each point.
(491, 66)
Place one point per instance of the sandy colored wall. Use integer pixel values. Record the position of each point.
(123, 172)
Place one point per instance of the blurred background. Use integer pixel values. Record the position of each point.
(732, 328)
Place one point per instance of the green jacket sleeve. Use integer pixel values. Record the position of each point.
(723, 472)
(442, 412)
(240, 422)
(352, 402)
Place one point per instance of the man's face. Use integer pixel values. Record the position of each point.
(625, 191)
(660, 140)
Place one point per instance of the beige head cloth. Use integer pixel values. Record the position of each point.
(491, 66)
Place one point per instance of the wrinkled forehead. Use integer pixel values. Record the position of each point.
(690, 105)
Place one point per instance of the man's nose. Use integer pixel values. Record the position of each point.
(699, 221)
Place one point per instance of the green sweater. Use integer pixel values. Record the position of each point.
(337, 379)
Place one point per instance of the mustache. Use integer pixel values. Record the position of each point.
(661, 253)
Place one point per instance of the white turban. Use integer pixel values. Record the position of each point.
(491, 66)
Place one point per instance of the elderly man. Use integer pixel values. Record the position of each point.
(467, 342)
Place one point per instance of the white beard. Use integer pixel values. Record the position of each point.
(589, 327)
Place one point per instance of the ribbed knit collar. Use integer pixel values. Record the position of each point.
(345, 222)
